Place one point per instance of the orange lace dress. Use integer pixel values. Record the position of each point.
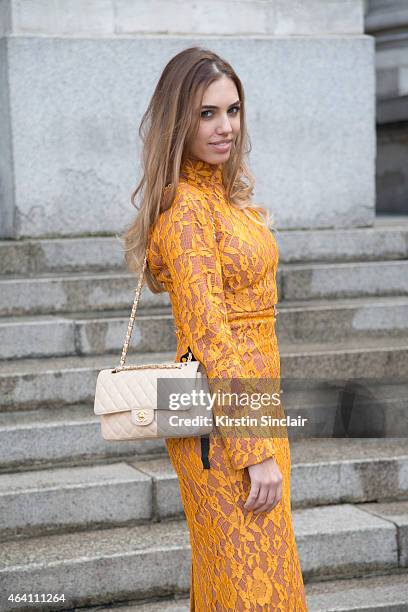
(223, 298)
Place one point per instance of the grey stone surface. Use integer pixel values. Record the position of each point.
(382, 14)
(31, 383)
(7, 194)
(175, 17)
(107, 335)
(387, 593)
(347, 408)
(342, 318)
(164, 605)
(96, 333)
(345, 540)
(115, 291)
(309, 281)
(61, 255)
(144, 559)
(66, 435)
(167, 497)
(392, 83)
(314, 148)
(397, 514)
(66, 293)
(387, 22)
(5, 17)
(48, 336)
(375, 358)
(138, 560)
(73, 497)
(392, 167)
(348, 479)
(36, 337)
(387, 239)
(323, 471)
(96, 253)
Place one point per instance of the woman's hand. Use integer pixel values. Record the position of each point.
(266, 486)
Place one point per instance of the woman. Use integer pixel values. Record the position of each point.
(211, 248)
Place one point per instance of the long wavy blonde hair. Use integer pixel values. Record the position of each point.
(168, 126)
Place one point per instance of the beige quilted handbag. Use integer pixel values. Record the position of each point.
(133, 400)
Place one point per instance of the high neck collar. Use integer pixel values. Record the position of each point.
(199, 172)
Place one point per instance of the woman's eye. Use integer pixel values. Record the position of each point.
(233, 108)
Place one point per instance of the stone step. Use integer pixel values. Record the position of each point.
(174, 604)
(397, 514)
(69, 435)
(371, 358)
(39, 256)
(154, 559)
(383, 593)
(92, 496)
(85, 334)
(323, 472)
(32, 383)
(95, 566)
(65, 292)
(327, 471)
(363, 408)
(357, 317)
(98, 333)
(77, 292)
(338, 280)
(36, 383)
(387, 239)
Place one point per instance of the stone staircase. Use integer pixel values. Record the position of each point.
(102, 523)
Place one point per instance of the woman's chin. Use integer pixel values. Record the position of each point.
(218, 157)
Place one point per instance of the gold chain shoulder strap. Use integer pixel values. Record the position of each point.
(132, 321)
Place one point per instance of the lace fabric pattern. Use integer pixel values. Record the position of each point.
(223, 292)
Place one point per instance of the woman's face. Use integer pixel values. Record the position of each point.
(219, 122)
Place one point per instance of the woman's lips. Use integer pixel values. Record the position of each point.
(221, 146)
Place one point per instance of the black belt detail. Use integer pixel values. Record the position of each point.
(205, 446)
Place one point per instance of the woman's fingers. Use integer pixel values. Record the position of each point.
(266, 486)
(278, 496)
(269, 502)
(253, 495)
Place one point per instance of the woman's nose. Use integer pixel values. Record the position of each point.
(225, 125)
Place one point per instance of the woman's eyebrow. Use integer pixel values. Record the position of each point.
(216, 107)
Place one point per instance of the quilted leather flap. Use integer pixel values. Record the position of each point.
(135, 389)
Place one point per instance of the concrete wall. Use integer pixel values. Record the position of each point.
(392, 169)
(76, 101)
(118, 17)
(387, 20)
(7, 208)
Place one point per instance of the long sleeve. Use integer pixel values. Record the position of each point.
(190, 252)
